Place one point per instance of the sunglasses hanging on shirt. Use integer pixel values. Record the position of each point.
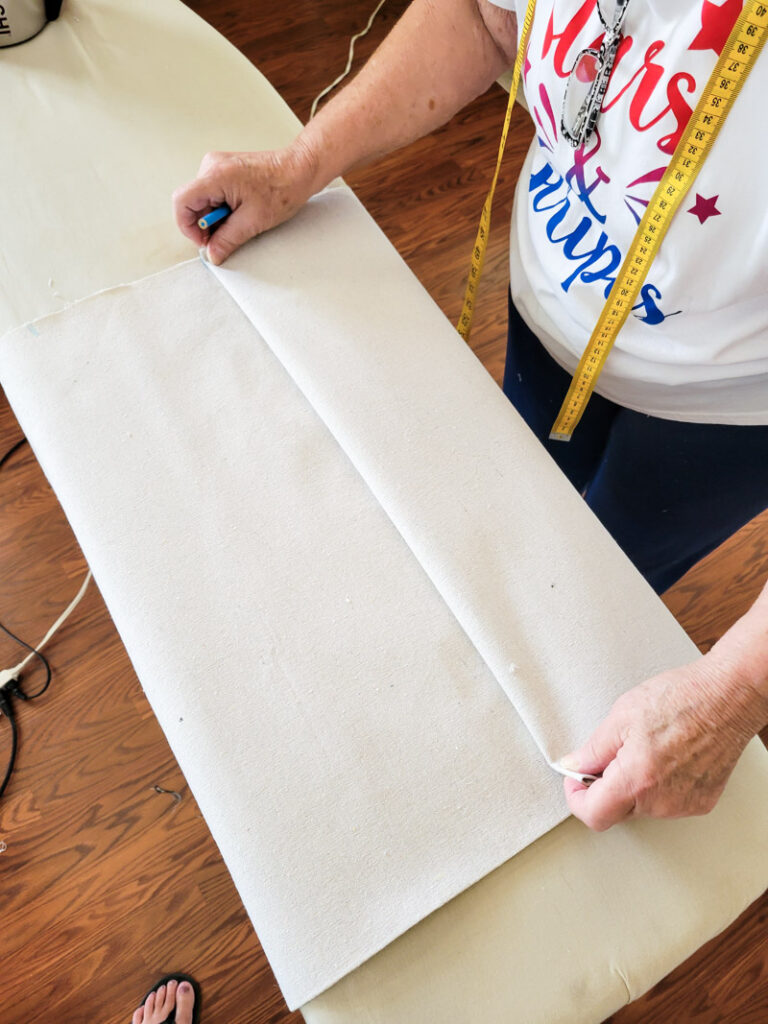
(590, 74)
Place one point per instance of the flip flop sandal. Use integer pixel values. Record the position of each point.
(177, 976)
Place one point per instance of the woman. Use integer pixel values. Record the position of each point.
(672, 451)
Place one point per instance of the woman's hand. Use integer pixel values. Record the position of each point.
(261, 189)
(668, 746)
(437, 58)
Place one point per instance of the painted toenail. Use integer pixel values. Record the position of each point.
(185, 987)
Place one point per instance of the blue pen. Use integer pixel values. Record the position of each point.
(214, 217)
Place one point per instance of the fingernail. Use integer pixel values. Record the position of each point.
(571, 762)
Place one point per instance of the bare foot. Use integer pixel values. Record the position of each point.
(158, 1005)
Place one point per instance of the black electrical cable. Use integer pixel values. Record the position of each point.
(13, 688)
(12, 451)
(17, 689)
(7, 709)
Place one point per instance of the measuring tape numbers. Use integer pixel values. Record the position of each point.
(734, 64)
(736, 60)
(464, 325)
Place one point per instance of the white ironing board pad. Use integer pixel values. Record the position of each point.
(631, 934)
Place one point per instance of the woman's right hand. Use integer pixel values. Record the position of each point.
(261, 189)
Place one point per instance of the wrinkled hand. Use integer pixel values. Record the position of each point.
(667, 747)
(261, 189)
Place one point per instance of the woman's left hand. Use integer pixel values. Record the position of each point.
(667, 747)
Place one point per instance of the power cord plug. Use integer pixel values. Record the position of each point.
(7, 676)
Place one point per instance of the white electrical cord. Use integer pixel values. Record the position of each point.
(348, 68)
(11, 673)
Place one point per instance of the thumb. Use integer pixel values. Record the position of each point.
(599, 750)
(237, 229)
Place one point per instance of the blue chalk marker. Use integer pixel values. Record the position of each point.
(214, 217)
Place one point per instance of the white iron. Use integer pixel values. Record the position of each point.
(22, 19)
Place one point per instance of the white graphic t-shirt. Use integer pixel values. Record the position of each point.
(696, 344)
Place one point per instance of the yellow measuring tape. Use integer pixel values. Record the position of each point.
(736, 60)
(464, 325)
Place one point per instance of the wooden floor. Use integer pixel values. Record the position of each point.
(106, 883)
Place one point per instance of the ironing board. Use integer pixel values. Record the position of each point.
(576, 924)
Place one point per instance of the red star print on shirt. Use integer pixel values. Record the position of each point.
(716, 25)
(705, 208)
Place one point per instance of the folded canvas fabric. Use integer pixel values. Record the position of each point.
(557, 612)
(365, 607)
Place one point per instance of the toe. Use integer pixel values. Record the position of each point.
(170, 999)
(138, 1016)
(185, 1001)
(159, 1002)
(149, 1008)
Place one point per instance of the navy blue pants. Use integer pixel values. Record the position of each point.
(668, 492)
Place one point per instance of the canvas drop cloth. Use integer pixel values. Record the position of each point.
(364, 605)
